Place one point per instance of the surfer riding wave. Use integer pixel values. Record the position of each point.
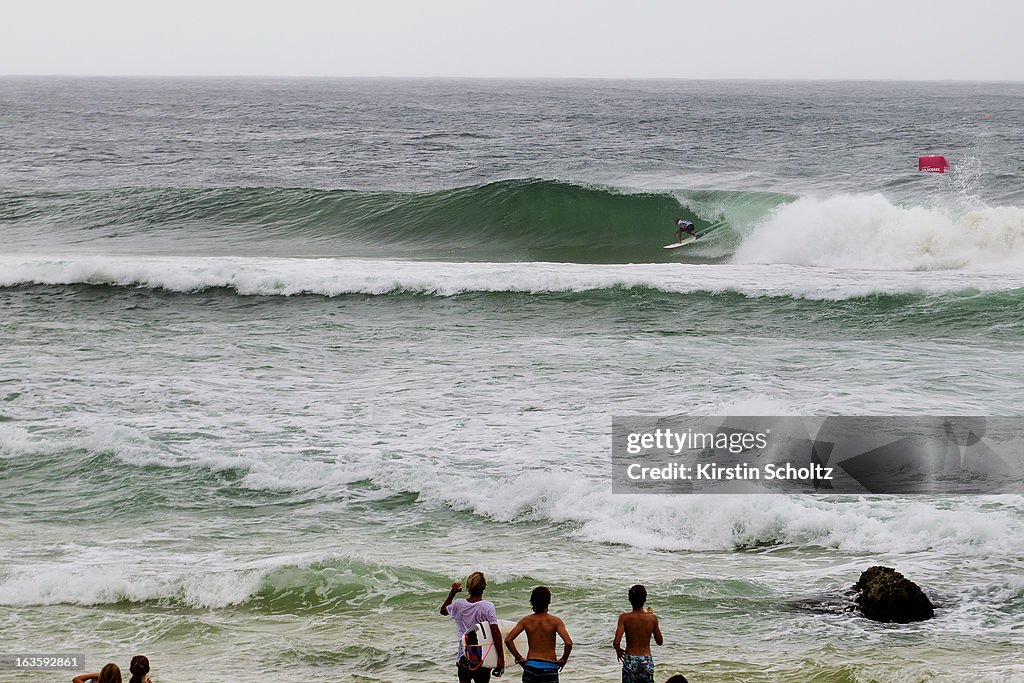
(684, 227)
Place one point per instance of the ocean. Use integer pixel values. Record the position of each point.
(282, 359)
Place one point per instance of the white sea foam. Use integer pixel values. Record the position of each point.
(98, 578)
(333, 277)
(566, 495)
(573, 492)
(98, 575)
(17, 441)
(135, 448)
(727, 522)
(869, 231)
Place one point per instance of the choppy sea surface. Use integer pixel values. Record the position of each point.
(280, 360)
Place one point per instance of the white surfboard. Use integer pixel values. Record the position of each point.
(686, 240)
(489, 649)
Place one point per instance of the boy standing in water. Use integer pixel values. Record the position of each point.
(540, 665)
(467, 614)
(638, 627)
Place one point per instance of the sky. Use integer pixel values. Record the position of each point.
(770, 39)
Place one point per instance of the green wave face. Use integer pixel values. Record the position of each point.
(509, 220)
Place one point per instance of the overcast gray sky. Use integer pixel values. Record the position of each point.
(859, 39)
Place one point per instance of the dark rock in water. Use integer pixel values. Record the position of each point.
(883, 594)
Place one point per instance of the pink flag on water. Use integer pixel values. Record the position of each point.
(933, 163)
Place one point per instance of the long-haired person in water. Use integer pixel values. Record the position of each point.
(108, 674)
(139, 669)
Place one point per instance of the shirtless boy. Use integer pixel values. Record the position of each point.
(540, 665)
(638, 627)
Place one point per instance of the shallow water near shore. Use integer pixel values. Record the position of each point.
(282, 360)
